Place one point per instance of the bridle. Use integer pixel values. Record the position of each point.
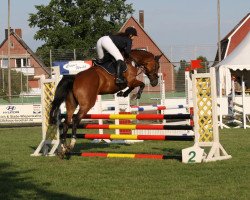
(143, 69)
(154, 72)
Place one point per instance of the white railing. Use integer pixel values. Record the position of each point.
(27, 71)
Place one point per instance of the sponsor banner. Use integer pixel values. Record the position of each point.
(72, 67)
(20, 114)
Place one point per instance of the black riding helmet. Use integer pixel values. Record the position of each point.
(131, 31)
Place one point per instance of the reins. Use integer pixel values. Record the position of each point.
(140, 67)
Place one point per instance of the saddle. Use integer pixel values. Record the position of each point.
(108, 63)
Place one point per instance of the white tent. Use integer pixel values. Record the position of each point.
(239, 59)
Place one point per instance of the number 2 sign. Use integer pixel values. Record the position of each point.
(192, 155)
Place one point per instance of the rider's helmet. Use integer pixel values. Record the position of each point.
(131, 31)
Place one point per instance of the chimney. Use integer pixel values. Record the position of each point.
(141, 17)
(18, 31)
(6, 32)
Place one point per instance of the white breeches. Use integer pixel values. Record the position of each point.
(106, 43)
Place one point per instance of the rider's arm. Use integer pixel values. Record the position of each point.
(127, 49)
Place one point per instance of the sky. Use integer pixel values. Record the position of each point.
(182, 29)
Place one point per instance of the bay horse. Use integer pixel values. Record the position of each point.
(82, 89)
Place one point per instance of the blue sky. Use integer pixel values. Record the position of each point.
(170, 23)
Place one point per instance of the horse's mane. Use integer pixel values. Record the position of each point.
(142, 53)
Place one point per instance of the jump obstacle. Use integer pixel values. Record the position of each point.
(127, 155)
(123, 104)
(206, 147)
(149, 108)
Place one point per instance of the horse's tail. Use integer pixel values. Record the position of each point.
(63, 88)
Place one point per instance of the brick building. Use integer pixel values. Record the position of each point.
(22, 58)
(144, 41)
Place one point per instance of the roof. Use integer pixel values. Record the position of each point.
(25, 46)
(239, 59)
(229, 43)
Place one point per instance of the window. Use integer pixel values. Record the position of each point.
(18, 63)
(4, 63)
(22, 62)
(12, 45)
(25, 62)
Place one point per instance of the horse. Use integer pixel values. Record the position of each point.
(82, 89)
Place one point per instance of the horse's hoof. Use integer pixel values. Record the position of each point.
(119, 94)
(125, 95)
(72, 144)
(138, 96)
(61, 154)
(133, 97)
(62, 151)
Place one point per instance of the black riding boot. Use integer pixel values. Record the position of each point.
(120, 79)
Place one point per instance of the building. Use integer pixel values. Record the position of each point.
(235, 59)
(22, 58)
(234, 38)
(144, 41)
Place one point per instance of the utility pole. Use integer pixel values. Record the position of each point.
(219, 44)
(9, 66)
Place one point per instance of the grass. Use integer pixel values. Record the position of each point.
(26, 177)
(145, 98)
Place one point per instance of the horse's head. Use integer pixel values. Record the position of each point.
(151, 70)
(150, 64)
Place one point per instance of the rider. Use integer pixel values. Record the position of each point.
(116, 45)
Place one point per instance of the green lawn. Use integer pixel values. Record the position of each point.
(26, 177)
(146, 98)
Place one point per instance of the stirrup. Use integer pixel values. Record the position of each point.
(120, 81)
(98, 61)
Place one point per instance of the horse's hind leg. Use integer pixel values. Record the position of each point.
(70, 107)
(83, 110)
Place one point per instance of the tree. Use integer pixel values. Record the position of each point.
(72, 24)
(204, 63)
(180, 77)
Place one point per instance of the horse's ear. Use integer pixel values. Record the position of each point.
(157, 58)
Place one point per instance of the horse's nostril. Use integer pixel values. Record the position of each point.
(154, 82)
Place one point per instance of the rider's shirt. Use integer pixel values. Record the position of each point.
(124, 44)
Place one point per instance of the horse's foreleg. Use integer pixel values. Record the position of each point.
(125, 93)
(142, 86)
(139, 84)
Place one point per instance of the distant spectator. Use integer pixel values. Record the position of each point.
(237, 84)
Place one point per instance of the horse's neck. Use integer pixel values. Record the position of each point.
(140, 57)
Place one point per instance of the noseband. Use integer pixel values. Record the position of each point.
(144, 69)
(153, 73)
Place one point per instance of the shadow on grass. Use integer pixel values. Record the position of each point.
(169, 153)
(17, 185)
(101, 145)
